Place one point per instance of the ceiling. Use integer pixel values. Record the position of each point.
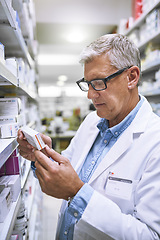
(58, 19)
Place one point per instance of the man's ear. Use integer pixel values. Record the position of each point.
(133, 77)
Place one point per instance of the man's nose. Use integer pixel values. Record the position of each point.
(92, 93)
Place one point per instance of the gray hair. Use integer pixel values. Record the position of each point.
(121, 51)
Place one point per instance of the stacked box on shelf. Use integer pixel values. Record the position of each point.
(152, 55)
(153, 22)
(5, 203)
(27, 19)
(147, 4)
(13, 182)
(11, 166)
(137, 8)
(9, 109)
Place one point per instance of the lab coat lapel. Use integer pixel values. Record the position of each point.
(115, 152)
(120, 147)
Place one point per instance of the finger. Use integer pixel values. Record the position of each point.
(46, 139)
(20, 134)
(26, 149)
(55, 155)
(43, 160)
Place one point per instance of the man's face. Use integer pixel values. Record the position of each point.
(112, 103)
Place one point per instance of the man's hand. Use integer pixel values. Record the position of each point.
(58, 178)
(26, 150)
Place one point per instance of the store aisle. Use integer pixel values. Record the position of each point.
(50, 211)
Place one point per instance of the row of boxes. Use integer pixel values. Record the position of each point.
(15, 113)
(9, 109)
(150, 27)
(10, 189)
(139, 7)
(151, 85)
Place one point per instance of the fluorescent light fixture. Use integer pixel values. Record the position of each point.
(60, 83)
(58, 59)
(62, 78)
(76, 36)
(72, 91)
(49, 91)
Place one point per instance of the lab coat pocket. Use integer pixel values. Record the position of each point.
(121, 191)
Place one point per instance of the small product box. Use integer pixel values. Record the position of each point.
(2, 53)
(9, 106)
(12, 165)
(8, 130)
(8, 119)
(5, 203)
(12, 65)
(33, 137)
(12, 182)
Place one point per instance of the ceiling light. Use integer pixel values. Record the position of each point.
(60, 83)
(63, 78)
(58, 59)
(75, 36)
(49, 91)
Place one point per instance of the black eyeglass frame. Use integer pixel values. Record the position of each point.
(105, 80)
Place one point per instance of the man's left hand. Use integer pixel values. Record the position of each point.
(57, 178)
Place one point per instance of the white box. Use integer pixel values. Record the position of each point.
(8, 130)
(33, 137)
(8, 119)
(9, 106)
(5, 203)
(13, 182)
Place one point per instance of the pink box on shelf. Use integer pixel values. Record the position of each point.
(12, 166)
(15, 152)
(2, 171)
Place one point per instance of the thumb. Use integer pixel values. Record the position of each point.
(54, 155)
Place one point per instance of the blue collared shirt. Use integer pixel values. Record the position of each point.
(103, 143)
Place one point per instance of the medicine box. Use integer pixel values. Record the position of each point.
(33, 137)
(5, 203)
(12, 165)
(8, 130)
(9, 106)
(13, 182)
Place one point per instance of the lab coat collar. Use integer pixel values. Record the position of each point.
(138, 126)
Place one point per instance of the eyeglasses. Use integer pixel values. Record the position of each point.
(98, 84)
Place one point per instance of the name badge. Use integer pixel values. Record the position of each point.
(119, 187)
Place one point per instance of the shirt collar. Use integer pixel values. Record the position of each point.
(103, 124)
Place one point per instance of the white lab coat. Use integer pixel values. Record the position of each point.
(121, 210)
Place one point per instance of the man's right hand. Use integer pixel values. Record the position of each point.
(26, 150)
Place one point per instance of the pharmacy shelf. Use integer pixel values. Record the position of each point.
(29, 203)
(32, 223)
(7, 14)
(25, 176)
(7, 146)
(154, 38)
(7, 226)
(11, 35)
(7, 78)
(151, 66)
(141, 19)
(151, 93)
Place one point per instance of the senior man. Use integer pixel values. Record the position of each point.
(109, 176)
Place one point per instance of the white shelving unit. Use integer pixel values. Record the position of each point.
(15, 46)
(8, 79)
(149, 68)
(142, 18)
(7, 146)
(7, 226)
(11, 35)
